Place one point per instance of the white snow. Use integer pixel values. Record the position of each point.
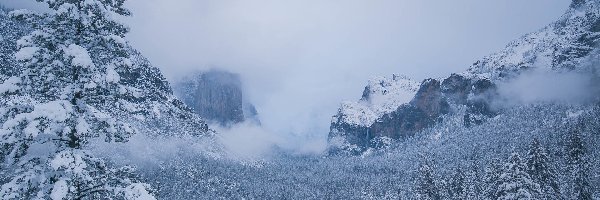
(10, 85)
(111, 75)
(26, 53)
(69, 161)
(82, 127)
(117, 39)
(80, 56)
(55, 111)
(19, 12)
(60, 190)
(385, 96)
(138, 191)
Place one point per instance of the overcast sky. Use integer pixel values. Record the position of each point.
(301, 58)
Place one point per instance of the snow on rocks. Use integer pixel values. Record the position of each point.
(381, 96)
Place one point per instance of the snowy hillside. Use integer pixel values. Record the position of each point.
(562, 45)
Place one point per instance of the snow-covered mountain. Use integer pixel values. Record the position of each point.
(216, 96)
(565, 45)
(381, 96)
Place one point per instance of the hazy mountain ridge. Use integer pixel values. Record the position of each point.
(217, 96)
(568, 45)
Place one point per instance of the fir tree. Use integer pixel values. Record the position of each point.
(426, 182)
(578, 166)
(541, 171)
(473, 181)
(515, 183)
(491, 179)
(457, 185)
(71, 63)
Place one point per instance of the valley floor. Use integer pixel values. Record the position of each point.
(393, 173)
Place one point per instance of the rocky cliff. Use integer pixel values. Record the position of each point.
(561, 46)
(216, 96)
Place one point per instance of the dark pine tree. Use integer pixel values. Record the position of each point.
(541, 170)
(457, 185)
(426, 183)
(491, 179)
(515, 182)
(578, 166)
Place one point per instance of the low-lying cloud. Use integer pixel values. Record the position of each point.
(250, 141)
(548, 87)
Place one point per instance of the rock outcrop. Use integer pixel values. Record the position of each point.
(216, 96)
(431, 101)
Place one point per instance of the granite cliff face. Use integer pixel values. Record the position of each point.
(561, 46)
(216, 96)
(432, 100)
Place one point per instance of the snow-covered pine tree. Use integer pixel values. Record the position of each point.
(426, 182)
(70, 63)
(515, 183)
(491, 179)
(473, 181)
(541, 170)
(578, 166)
(457, 185)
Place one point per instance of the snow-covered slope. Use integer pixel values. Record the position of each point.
(562, 45)
(381, 96)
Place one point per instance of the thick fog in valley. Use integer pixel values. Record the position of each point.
(300, 59)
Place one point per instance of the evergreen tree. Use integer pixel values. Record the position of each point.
(541, 170)
(515, 183)
(491, 179)
(473, 181)
(457, 185)
(578, 166)
(426, 182)
(71, 64)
